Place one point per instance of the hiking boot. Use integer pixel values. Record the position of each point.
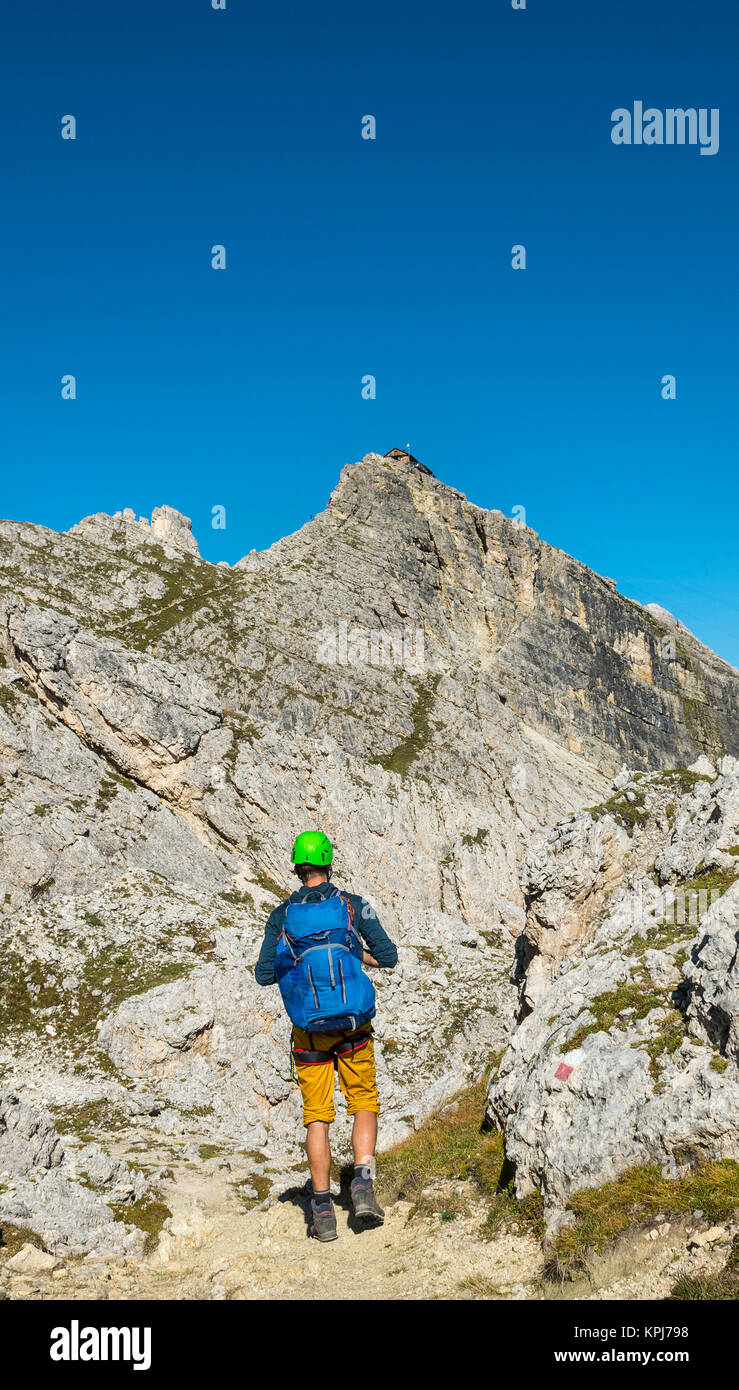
(364, 1201)
(323, 1222)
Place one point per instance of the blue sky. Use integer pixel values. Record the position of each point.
(391, 257)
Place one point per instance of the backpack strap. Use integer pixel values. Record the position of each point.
(349, 908)
(286, 937)
(351, 915)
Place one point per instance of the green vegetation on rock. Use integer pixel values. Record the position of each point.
(148, 1214)
(711, 1287)
(452, 1145)
(637, 994)
(637, 1197)
(629, 814)
(406, 753)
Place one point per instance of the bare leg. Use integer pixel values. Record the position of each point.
(319, 1154)
(364, 1139)
(364, 1135)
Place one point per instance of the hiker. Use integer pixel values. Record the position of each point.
(313, 948)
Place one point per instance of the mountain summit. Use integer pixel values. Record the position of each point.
(437, 670)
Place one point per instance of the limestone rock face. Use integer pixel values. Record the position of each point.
(144, 715)
(168, 725)
(568, 877)
(626, 1048)
(69, 1218)
(170, 525)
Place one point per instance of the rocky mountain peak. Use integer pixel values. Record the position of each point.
(167, 526)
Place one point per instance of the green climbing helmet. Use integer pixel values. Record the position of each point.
(312, 847)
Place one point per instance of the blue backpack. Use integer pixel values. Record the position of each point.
(318, 966)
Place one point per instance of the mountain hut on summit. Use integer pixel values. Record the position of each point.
(404, 456)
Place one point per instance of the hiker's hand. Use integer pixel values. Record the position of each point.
(367, 959)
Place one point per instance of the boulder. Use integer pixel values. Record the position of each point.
(31, 1260)
(28, 1138)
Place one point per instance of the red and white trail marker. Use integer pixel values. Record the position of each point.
(565, 1069)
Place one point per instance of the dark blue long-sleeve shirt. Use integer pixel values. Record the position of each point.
(376, 939)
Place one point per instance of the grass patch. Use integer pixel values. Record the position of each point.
(400, 759)
(90, 1120)
(269, 885)
(711, 880)
(642, 997)
(685, 779)
(637, 1197)
(237, 898)
(479, 839)
(479, 1288)
(452, 1146)
(627, 813)
(29, 986)
(637, 993)
(189, 587)
(261, 1186)
(108, 789)
(13, 1238)
(693, 897)
(207, 1151)
(670, 1036)
(661, 935)
(713, 1288)
(148, 1214)
(107, 792)
(9, 698)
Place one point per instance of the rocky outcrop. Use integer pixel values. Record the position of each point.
(712, 978)
(28, 1138)
(68, 1217)
(626, 1049)
(142, 714)
(70, 818)
(172, 527)
(38, 1194)
(167, 526)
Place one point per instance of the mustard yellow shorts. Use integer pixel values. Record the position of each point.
(352, 1055)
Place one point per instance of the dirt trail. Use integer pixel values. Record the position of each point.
(213, 1248)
